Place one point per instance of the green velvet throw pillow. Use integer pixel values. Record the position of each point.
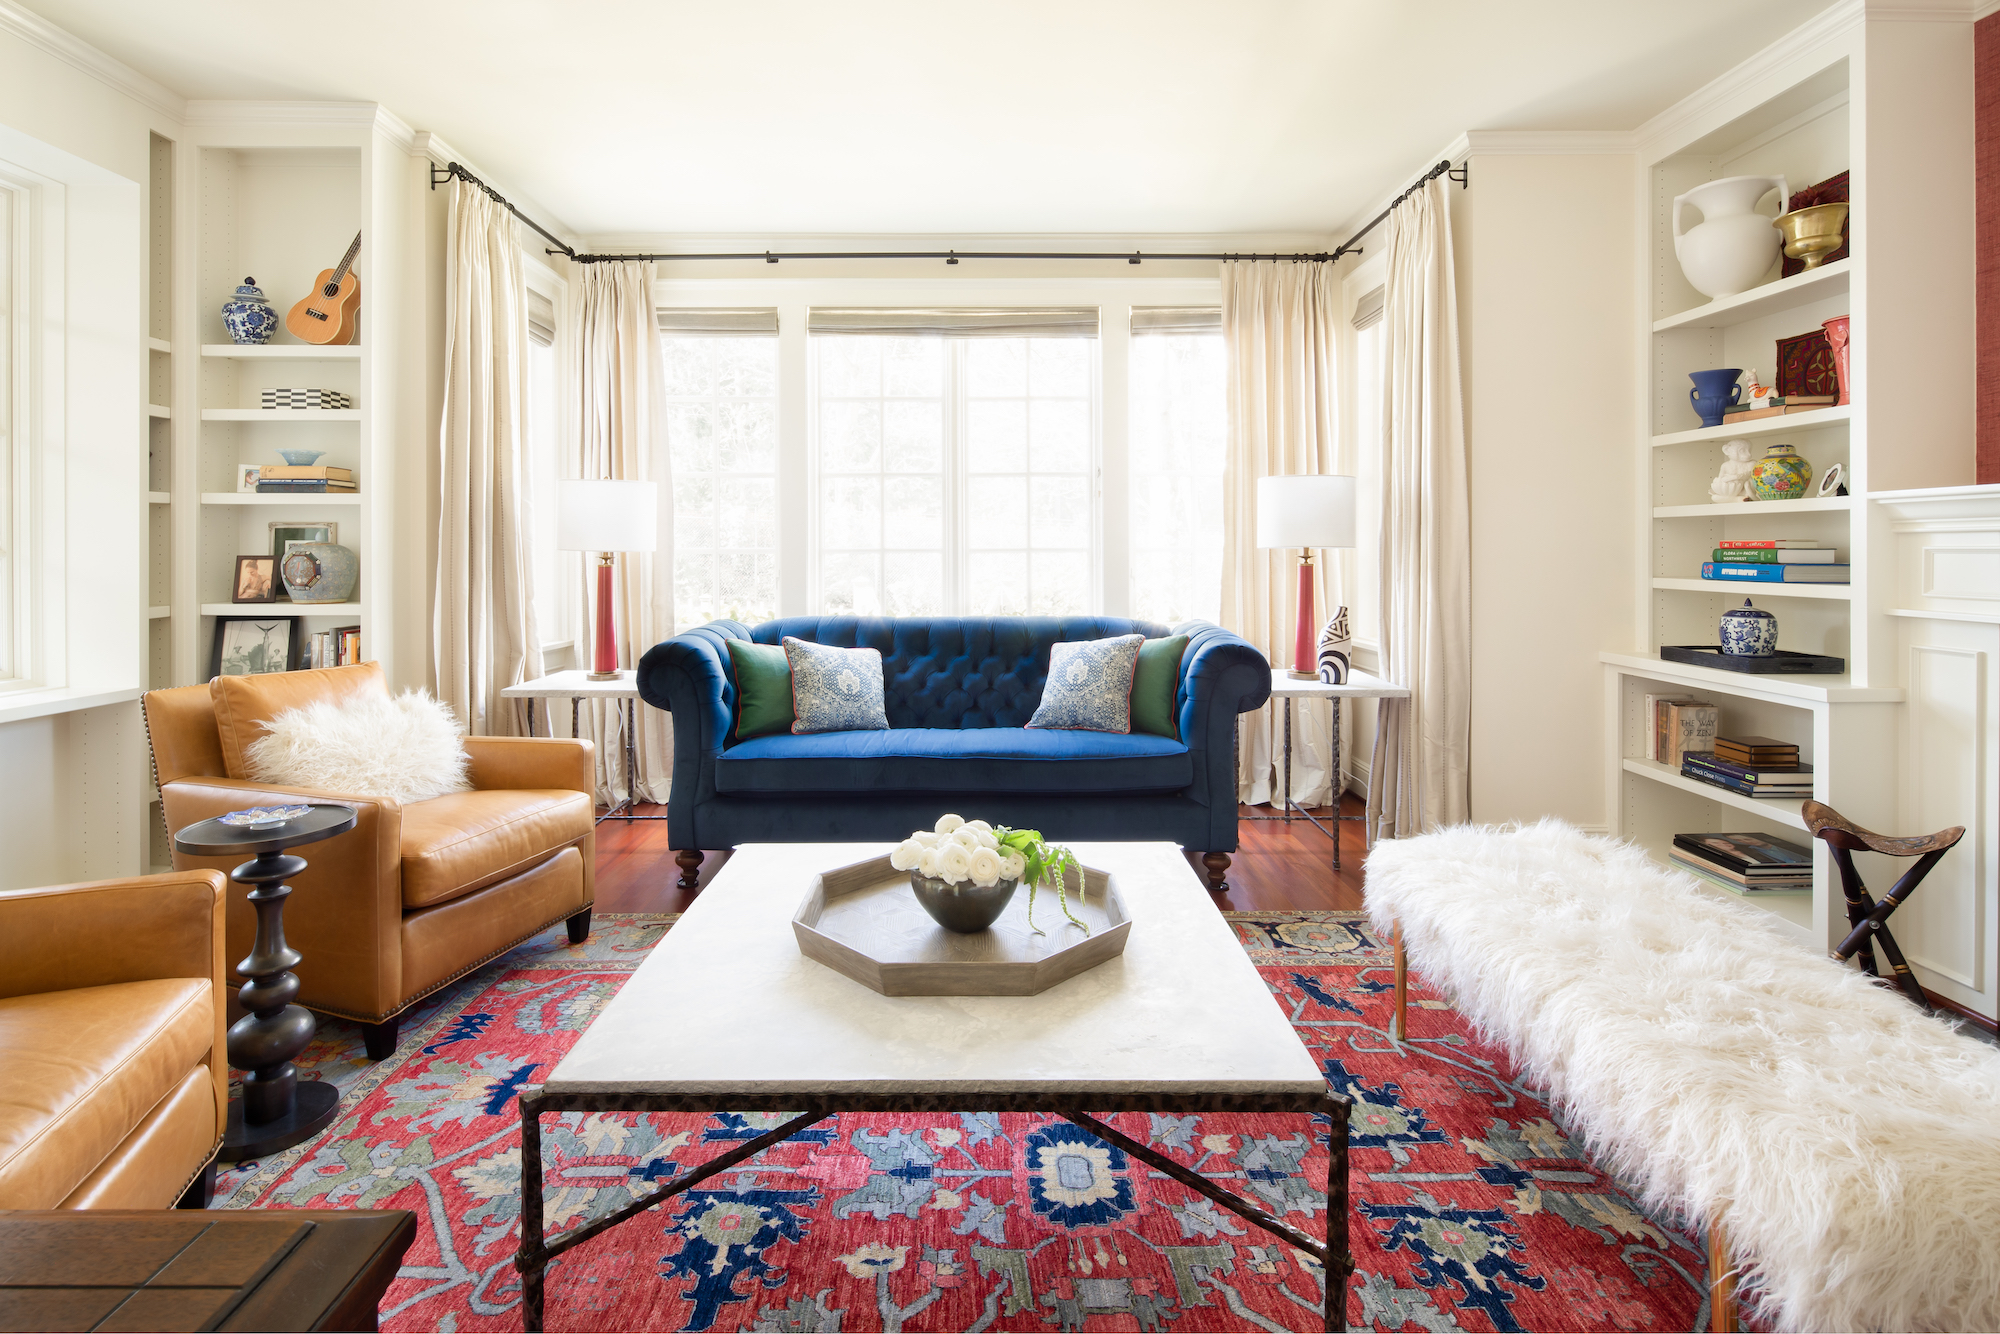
(1155, 684)
(763, 689)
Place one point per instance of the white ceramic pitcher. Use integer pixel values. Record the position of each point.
(1733, 246)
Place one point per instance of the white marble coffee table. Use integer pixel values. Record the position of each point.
(1180, 1022)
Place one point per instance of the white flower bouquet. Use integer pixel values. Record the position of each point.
(960, 851)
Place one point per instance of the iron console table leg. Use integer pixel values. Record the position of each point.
(537, 1249)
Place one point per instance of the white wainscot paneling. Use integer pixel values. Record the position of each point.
(1947, 928)
(1962, 572)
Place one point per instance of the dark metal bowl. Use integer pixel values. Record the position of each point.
(963, 907)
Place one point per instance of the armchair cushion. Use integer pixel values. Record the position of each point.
(243, 704)
(80, 1069)
(464, 841)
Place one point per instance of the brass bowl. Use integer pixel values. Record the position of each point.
(1811, 234)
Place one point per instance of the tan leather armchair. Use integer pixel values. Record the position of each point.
(413, 897)
(114, 1082)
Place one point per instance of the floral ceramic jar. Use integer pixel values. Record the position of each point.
(1781, 474)
(249, 318)
(320, 572)
(1749, 632)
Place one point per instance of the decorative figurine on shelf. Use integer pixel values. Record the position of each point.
(1733, 482)
(1781, 474)
(248, 316)
(1749, 632)
(1760, 395)
(1336, 649)
(1714, 391)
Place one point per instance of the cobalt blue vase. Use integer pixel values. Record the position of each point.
(248, 317)
(1713, 391)
(1749, 632)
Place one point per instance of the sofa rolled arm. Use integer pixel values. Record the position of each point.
(1221, 675)
(504, 763)
(691, 677)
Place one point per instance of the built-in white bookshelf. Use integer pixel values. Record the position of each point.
(1835, 96)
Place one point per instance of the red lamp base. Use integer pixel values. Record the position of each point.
(604, 655)
(1305, 665)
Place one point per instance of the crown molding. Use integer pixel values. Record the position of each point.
(1921, 11)
(395, 128)
(1985, 9)
(1549, 143)
(207, 112)
(78, 54)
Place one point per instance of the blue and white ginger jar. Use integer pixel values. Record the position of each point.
(1749, 632)
(248, 316)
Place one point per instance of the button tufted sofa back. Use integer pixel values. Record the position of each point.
(957, 671)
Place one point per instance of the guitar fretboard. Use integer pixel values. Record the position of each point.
(333, 287)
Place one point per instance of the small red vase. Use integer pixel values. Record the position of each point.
(1836, 338)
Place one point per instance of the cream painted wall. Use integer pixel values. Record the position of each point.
(1546, 306)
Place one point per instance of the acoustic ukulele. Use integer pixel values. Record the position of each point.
(326, 314)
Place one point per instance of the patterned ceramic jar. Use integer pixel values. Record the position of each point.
(320, 572)
(248, 316)
(1781, 474)
(1749, 632)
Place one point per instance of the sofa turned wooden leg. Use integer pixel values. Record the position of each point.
(380, 1039)
(690, 860)
(579, 926)
(201, 1191)
(1218, 867)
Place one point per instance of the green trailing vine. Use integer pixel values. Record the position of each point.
(1045, 861)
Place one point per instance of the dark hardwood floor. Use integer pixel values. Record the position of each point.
(1278, 865)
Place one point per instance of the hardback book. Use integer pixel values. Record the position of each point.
(1780, 775)
(303, 486)
(1777, 555)
(1759, 790)
(1691, 725)
(1656, 719)
(1768, 543)
(1736, 410)
(1732, 572)
(287, 471)
(1801, 875)
(1755, 749)
(1757, 414)
(1714, 875)
(1747, 853)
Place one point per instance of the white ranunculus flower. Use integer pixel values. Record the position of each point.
(907, 854)
(954, 863)
(979, 826)
(966, 837)
(927, 864)
(1013, 866)
(985, 867)
(925, 838)
(986, 839)
(947, 823)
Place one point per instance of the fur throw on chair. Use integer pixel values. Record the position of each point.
(1848, 1144)
(405, 749)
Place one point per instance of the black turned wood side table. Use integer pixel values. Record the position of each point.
(275, 1110)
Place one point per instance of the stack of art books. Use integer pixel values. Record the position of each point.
(1745, 863)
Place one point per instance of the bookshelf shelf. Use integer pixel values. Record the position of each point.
(1784, 810)
(1781, 689)
(253, 498)
(1751, 508)
(158, 410)
(158, 497)
(281, 414)
(281, 352)
(311, 609)
(157, 613)
(1818, 419)
(1829, 280)
(159, 345)
(1759, 589)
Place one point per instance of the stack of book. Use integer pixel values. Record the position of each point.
(1776, 406)
(287, 479)
(1677, 726)
(1750, 766)
(1775, 560)
(1745, 863)
(339, 647)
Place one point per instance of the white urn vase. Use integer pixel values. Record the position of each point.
(1733, 245)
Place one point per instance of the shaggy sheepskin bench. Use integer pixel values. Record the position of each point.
(1846, 1146)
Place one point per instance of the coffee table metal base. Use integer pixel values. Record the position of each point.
(1080, 1109)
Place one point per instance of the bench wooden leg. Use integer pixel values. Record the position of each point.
(1721, 1283)
(1401, 1028)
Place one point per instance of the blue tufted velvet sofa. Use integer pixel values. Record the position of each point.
(959, 691)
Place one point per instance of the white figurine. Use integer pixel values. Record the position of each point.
(1756, 395)
(1733, 482)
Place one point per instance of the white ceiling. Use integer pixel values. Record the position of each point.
(635, 118)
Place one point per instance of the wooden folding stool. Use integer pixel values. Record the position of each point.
(1868, 918)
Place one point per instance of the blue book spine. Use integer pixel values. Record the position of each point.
(1772, 574)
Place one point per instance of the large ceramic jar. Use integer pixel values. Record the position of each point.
(320, 572)
(1781, 474)
(1733, 246)
(1749, 632)
(249, 318)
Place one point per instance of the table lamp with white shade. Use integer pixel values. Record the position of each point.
(1307, 512)
(606, 517)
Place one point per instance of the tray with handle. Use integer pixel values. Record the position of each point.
(1707, 655)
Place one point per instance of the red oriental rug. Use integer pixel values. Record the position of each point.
(1472, 1208)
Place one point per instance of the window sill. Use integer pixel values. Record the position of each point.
(23, 705)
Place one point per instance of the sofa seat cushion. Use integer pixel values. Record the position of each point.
(464, 841)
(943, 759)
(81, 1069)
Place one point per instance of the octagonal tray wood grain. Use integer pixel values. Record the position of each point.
(863, 921)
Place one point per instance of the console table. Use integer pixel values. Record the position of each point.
(576, 687)
(1359, 685)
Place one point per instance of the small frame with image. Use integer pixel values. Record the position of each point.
(247, 476)
(285, 532)
(254, 645)
(256, 579)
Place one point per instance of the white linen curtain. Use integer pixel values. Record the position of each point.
(1419, 775)
(1280, 325)
(484, 636)
(621, 434)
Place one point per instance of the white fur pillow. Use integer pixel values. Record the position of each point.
(406, 749)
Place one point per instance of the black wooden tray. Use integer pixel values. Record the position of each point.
(1702, 655)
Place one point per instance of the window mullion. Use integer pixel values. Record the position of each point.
(956, 482)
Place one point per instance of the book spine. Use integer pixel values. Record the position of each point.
(1692, 727)
(1746, 555)
(1756, 574)
(1766, 543)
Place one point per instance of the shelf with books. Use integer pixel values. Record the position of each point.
(1796, 690)
(1785, 810)
(267, 498)
(281, 608)
(1759, 588)
(281, 352)
(1817, 420)
(1751, 509)
(1772, 298)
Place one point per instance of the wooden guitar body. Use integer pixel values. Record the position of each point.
(327, 319)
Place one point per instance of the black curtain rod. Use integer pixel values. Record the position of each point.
(1462, 175)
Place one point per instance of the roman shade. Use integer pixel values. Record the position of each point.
(1368, 310)
(955, 321)
(541, 318)
(1176, 320)
(690, 322)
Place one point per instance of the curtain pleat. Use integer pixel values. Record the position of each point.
(1419, 775)
(484, 635)
(1280, 325)
(621, 434)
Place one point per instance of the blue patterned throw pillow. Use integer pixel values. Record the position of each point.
(1090, 686)
(835, 689)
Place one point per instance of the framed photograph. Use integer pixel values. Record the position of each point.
(301, 530)
(256, 579)
(247, 475)
(254, 645)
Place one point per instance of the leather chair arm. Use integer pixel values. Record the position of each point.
(102, 932)
(501, 763)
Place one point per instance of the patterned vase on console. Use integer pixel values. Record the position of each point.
(248, 316)
(1781, 474)
(1749, 632)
